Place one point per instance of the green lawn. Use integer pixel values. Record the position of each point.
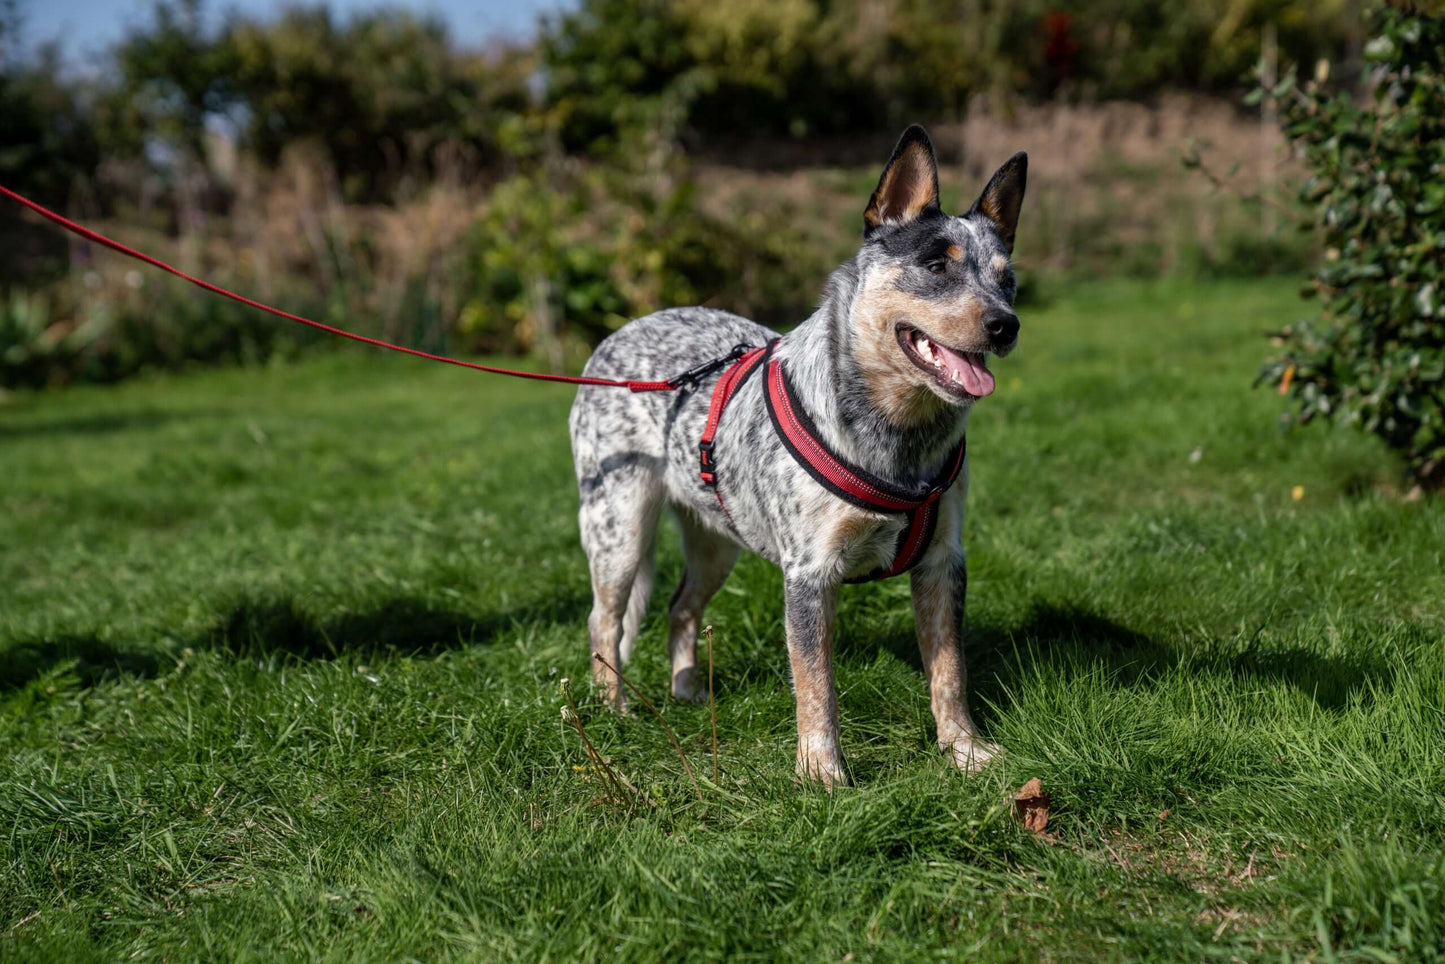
(281, 654)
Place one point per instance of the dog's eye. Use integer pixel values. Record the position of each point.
(938, 267)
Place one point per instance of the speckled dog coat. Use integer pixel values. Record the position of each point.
(887, 370)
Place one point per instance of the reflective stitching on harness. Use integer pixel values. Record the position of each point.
(830, 466)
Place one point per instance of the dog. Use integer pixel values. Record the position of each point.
(885, 373)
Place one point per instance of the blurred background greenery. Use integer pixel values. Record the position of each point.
(528, 197)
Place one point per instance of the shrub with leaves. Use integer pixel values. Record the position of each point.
(569, 259)
(1375, 357)
(49, 340)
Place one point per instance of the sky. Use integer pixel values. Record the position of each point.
(85, 28)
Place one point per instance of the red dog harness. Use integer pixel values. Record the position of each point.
(800, 437)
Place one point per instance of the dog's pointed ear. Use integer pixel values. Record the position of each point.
(908, 187)
(1003, 197)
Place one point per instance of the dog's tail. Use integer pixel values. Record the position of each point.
(637, 598)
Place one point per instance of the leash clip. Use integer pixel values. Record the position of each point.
(692, 376)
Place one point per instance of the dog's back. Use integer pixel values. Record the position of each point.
(619, 436)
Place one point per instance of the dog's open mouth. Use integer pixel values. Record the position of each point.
(960, 373)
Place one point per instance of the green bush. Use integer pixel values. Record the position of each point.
(1375, 357)
(797, 67)
(46, 140)
(382, 91)
(598, 247)
(108, 339)
(385, 93)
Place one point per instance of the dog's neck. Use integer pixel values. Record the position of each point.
(822, 362)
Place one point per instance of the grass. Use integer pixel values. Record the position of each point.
(281, 654)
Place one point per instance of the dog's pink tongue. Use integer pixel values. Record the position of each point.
(971, 367)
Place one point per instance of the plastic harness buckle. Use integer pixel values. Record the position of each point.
(709, 478)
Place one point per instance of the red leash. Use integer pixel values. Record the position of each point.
(98, 238)
(794, 427)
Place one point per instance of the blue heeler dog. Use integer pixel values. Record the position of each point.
(884, 374)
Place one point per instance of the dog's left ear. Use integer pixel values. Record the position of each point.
(1003, 197)
(908, 187)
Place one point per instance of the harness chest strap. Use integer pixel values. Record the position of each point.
(722, 393)
(800, 437)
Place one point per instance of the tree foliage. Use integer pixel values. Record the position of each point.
(1375, 357)
(47, 140)
(382, 89)
(172, 76)
(811, 66)
(379, 91)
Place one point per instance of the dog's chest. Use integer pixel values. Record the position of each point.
(846, 539)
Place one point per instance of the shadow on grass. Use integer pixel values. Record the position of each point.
(1071, 641)
(264, 628)
(1067, 643)
(1052, 639)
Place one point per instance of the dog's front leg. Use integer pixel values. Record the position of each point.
(939, 586)
(810, 605)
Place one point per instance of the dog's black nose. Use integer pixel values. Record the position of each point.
(1002, 326)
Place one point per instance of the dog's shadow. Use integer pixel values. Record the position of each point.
(1050, 639)
(1074, 641)
(264, 628)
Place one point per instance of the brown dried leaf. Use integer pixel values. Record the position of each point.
(1031, 806)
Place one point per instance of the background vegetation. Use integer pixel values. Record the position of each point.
(1376, 357)
(637, 153)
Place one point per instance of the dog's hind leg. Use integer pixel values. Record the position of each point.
(618, 520)
(709, 558)
(637, 599)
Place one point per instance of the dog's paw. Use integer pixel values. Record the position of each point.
(613, 697)
(972, 755)
(821, 765)
(685, 688)
(607, 686)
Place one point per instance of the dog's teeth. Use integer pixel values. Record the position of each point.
(956, 376)
(925, 347)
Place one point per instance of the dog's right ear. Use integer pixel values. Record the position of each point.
(1002, 199)
(908, 187)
